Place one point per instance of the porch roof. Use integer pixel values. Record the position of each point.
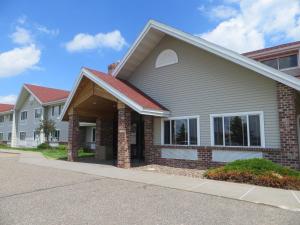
(121, 90)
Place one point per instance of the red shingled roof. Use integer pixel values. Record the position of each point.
(6, 107)
(46, 95)
(128, 90)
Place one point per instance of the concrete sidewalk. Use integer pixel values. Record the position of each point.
(285, 199)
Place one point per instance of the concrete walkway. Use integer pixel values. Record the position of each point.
(285, 199)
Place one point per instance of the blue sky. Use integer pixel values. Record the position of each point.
(47, 42)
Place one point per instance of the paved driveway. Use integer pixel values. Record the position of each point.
(39, 195)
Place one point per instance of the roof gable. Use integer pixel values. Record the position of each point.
(155, 31)
(121, 90)
(45, 94)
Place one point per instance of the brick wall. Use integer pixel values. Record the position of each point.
(148, 139)
(289, 155)
(74, 137)
(124, 127)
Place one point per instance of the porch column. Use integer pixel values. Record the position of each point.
(148, 139)
(286, 98)
(124, 128)
(74, 137)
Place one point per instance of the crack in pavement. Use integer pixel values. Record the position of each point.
(49, 188)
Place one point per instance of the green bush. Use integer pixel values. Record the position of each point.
(62, 147)
(44, 146)
(257, 171)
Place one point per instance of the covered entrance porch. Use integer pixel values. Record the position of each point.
(123, 134)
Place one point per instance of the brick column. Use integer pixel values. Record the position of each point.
(124, 127)
(74, 137)
(286, 98)
(148, 139)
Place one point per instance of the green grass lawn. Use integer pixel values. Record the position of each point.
(257, 171)
(53, 153)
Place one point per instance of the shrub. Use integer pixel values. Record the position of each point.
(44, 146)
(257, 171)
(62, 147)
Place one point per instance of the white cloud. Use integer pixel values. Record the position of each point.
(81, 41)
(46, 30)
(18, 60)
(8, 99)
(22, 36)
(256, 23)
(223, 12)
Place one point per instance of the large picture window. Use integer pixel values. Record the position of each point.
(181, 131)
(244, 129)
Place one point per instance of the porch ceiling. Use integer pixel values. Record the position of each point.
(91, 101)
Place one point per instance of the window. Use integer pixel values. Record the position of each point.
(283, 62)
(238, 129)
(56, 110)
(165, 58)
(9, 136)
(288, 62)
(94, 135)
(24, 115)
(37, 113)
(22, 136)
(181, 131)
(1, 119)
(1, 136)
(36, 135)
(11, 116)
(55, 135)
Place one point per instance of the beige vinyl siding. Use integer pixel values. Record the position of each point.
(203, 84)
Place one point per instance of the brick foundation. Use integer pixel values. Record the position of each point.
(74, 137)
(124, 127)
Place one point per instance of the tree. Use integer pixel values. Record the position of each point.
(47, 127)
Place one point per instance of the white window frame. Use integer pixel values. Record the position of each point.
(41, 113)
(26, 116)
(20, 135)
(188, 130)
(247, 114)
(53, 137)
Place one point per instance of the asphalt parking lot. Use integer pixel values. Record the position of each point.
(39, 195)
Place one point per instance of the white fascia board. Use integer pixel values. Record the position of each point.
(113, 92)
(39, 101)
(24, 88)
(215, 49)
(71, 95)
(124, 98)
(55, 102)
(132, 49)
